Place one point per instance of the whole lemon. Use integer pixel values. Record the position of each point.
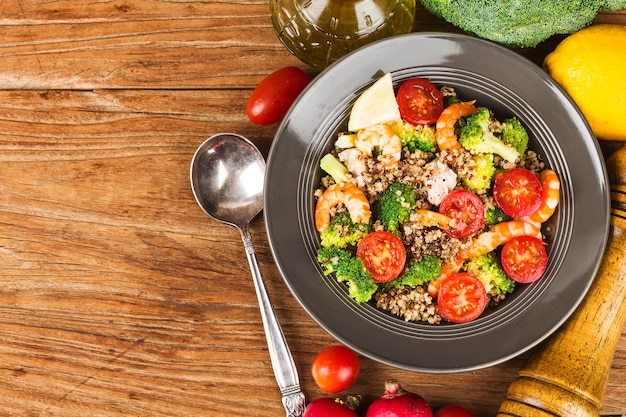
(591, 66)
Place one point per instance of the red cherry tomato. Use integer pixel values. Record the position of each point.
(524, 259)
(517, 192)
(383, 255)
(467, 209)
(453, 411)
(328, 407)
(419, 101)
(461, 298)
(271, 99)
(335, 369)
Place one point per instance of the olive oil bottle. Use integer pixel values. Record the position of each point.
(319, 32)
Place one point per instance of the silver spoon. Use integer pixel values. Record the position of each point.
(227, 174)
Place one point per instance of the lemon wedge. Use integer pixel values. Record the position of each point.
(375, 105)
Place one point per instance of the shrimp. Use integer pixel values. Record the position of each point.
(499, 235)
(550, 197)
(447, 269)
(344, 193)
(379, 136)
(446, 138)
(429, 218)
(483, 244)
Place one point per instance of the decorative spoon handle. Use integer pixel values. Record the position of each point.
(282, 361)
(568, 374)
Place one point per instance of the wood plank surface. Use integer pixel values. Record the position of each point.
(137, 44)
(119, 296)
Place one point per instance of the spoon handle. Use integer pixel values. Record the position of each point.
(282, 361)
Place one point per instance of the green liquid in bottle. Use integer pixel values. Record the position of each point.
(319, 32)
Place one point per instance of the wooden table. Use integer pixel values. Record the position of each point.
(119, 296)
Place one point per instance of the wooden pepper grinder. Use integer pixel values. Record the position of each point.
(567, 375)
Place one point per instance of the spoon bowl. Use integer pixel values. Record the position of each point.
(227, 178)
(227, 175)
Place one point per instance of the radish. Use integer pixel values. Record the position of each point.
(396, 402)
(330, 407)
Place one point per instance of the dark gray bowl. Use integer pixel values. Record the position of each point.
(509, 85)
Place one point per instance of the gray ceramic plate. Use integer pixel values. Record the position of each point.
(509, 85)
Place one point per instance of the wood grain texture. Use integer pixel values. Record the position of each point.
(137, 44)
(118, 295)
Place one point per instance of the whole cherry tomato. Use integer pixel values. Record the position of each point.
(335, 368)
(271, 99)
(453, 411)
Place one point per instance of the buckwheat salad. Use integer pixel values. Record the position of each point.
(430, 207)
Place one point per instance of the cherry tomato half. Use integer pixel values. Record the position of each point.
(383, 255)
(328, 407)
(419, 101)
(517, 192)
(271, 99)
(467, 209)
(453, 411)
(524, 259)
(335, 368)
(461, 298)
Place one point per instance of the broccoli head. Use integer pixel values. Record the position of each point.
(395, 205)
(420, 137)
(350, 270)
(495, 215)
(343, 232)
(515, 135)
(613, 5)
(478, 137)
(488, 270)
(418, 272)
(515, 23)
(484, 171)
(334, 168)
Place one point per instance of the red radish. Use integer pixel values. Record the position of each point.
(330, 407)
(396, 402)
(453, 411)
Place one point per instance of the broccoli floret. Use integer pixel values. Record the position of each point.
(417, 272)
(350, 270)
(495, 215)
(515, 135)
(484, 171)
(477, 136)
(488, 270)
(334, 167)
(613, 5)
(343, 232)
(395, 205)
(420, 137)
(515, 23)
(450, 100)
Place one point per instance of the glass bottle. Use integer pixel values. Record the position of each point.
(319, 32)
